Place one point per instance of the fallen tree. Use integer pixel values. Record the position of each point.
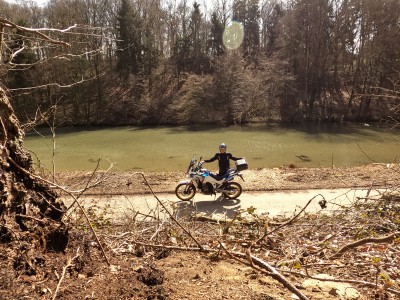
(30, 212)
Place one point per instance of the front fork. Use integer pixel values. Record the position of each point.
(189, 183)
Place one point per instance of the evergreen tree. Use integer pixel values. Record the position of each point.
(251, 40)
(271, 16)
(198, 58)
(215, 39)
(247, 12)
(129, 34)
(196, 42)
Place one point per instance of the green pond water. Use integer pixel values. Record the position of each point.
(171, 148)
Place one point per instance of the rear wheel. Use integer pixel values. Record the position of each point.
(232, 190)
(185, 191)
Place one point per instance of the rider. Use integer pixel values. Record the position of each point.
(223, 159)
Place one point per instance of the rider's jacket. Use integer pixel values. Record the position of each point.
(223, 161)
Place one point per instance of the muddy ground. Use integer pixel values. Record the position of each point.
(130, 270)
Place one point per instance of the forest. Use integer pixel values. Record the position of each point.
(165, 62)
(152, 62)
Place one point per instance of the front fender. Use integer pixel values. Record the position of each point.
(185, 181)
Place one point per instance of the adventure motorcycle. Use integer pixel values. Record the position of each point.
(210, 184)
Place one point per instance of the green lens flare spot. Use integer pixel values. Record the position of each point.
(233, 35)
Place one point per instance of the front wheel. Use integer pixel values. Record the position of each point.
(185, 191)
(232, 190)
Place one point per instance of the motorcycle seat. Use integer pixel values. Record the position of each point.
(217, 177)
(220, 177)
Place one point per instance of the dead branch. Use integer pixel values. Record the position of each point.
(351, 281)
(172, 247)
(10, 24)
(385, 239)
(384, 96)
(276, 275)
(53, 85)
(271, 271)
(202, 218)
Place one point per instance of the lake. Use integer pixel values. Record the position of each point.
(171, 148)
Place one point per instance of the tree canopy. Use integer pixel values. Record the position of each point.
(167, 62)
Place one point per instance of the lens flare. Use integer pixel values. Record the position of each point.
(233, 35)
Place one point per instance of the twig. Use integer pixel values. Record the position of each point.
(32, 218)
(230, 222)
(366, 155)
(43, 86)
(53, 132)
(92, 229)
(55, 184)
(3, 128)
(87, 183)
(50, 204)
(69, 263)
(289, 222)
(385, 239)
(160, 227)
(168, 212)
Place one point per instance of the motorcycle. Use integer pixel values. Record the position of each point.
(202, 180)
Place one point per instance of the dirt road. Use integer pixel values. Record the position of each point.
(273, 203)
